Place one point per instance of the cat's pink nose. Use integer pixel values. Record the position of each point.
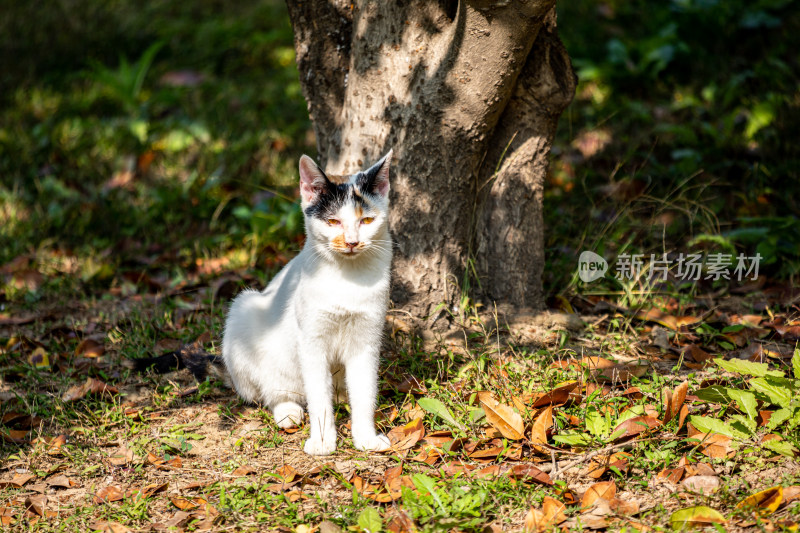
(352, 245)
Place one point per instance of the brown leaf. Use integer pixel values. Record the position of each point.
(108, 494)
(16, 436)
(147, 491)
(244, 470)
(605, 490)
(623, 507)
(287, 473)
(17, 481)
(636, 426)
(527, 473)
(487, 471)
(61, 482)
(553, 510)
(36, 504)
(790, 333)
(558, 396)
(400, 523)
(540, 426)
(438, 438)
(536, 521)
(601, 464)
(684, 412)
(791, 494)
(672, 474)
(406, 437)
(697, 354)
(667, 320)
(503, 418)
(92, 386)
(702, 484)
(185, 504)
(714, 445)
(673, 401)
(105, 526)
(121, 456)
(487, 453)
(634, 393)
(90, 348)
(411, 384)
(55, 444)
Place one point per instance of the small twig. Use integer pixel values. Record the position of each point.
(588, 456)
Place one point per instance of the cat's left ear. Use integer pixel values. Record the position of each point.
(312, 181)
(377, 177)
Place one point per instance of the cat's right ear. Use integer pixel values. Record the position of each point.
(312, 181)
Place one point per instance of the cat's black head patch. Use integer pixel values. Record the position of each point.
(331, 195)
(331, 200)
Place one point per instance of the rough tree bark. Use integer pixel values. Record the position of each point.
(468, 94)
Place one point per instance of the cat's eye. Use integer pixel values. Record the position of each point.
(333, 222)
(367, 220)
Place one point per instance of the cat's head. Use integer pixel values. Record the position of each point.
(348, 216)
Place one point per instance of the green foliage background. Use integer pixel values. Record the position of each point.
(691, 104)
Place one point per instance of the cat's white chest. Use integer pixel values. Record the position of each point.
(348, 292)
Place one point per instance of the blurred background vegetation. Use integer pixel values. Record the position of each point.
(164, 136)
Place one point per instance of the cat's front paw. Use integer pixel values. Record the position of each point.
(377, 443)
(317, 446)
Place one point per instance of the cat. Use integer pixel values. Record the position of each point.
(316, 330)
(317, 327)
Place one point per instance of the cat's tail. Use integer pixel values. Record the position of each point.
(189, 356)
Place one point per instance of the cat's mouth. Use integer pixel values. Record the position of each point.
(348, 252)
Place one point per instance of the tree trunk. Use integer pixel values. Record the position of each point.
(458, 89)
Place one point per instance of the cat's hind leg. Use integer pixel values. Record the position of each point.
(287, 414)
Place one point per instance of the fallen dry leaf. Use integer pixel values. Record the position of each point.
(36, 504)
(673, 475)
(673, 401)
(543, 422)
(623, 507)
(244, 470)
(527, 473)
(702, 484)
(147, 491)
(764, 502)
(17, 481)
(605, 490)
(92, 386)
(105, 526)
(667, 320)
(61, 482)
(503, 418)
(16, 436)
(697, 354)
(90, 348)
(600, 464)
(108, 494)
(55, 444)
(406, 437)
(558, 396)
(714, 445)
(635, 426)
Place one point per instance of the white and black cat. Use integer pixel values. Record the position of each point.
(316, 330)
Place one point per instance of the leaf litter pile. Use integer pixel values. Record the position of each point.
(597, 418)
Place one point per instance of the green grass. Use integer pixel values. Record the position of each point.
(131, 210)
